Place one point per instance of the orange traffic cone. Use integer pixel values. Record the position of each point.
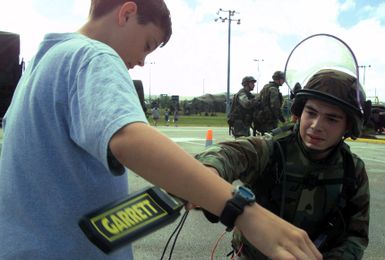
(209, 137)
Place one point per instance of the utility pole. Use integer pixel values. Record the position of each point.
(229, 19)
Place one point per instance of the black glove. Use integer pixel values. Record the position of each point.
(282, 119)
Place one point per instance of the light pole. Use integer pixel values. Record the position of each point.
(229, 19)
(363, 81)
(258, 76)
(364, 67)
(149, 79)
(203, 85)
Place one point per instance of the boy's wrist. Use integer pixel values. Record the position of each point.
(242, 198)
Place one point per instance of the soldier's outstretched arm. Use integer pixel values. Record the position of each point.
(157, 159)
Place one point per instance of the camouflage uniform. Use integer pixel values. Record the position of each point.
(312, 188)
(266, 118)
(241, 113)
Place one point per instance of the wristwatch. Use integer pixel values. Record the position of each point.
(242, 197)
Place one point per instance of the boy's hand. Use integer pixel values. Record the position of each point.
(275, 237)
(190, 206)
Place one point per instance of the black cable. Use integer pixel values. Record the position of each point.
(184, 217)
(177, 229)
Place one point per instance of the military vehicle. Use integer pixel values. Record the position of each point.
(208, 104)
(377, 118)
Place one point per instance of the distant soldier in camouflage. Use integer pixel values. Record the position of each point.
(266, 118)
(242, 108)
(307, 174)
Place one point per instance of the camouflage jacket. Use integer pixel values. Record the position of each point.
(271, 102)
(312, 189)
(243, 106)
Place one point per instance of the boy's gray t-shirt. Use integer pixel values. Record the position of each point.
(75, 94)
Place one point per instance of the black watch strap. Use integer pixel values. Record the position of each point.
(242, 197)
(230, 214)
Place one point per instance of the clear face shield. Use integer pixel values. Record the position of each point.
(318, 52)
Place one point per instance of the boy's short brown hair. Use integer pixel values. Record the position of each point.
(149, 11)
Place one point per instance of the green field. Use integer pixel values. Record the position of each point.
(194, 120)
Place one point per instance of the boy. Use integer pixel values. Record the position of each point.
(307, 175)
(76, 120)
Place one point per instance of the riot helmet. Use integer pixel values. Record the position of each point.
(337, 88)
(248, 79)
(330, 74)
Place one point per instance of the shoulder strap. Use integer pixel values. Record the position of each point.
(349, 180)
(336, 223)
(275, 172)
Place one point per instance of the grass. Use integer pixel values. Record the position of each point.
(195, 120)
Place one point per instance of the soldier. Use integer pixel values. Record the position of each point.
(266, 118)
(307, 174)
(297, 87)
(243, 105)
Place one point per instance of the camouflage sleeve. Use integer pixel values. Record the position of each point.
(245, 102)
(275, 103)
(243, 159)
(353, 244)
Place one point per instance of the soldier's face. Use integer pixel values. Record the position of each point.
(322, 125)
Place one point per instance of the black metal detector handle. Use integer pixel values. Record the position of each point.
(127, 220)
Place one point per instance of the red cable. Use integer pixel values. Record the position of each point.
(216, 245)
(237, 253)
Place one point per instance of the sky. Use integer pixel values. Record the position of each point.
(195, 60)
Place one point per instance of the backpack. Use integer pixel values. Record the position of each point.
(264, 113)
(231, 116)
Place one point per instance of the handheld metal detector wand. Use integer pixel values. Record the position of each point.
(122, 222)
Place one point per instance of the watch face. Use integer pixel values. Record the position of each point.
(246, 193)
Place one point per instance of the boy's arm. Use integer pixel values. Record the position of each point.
(157, 159)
